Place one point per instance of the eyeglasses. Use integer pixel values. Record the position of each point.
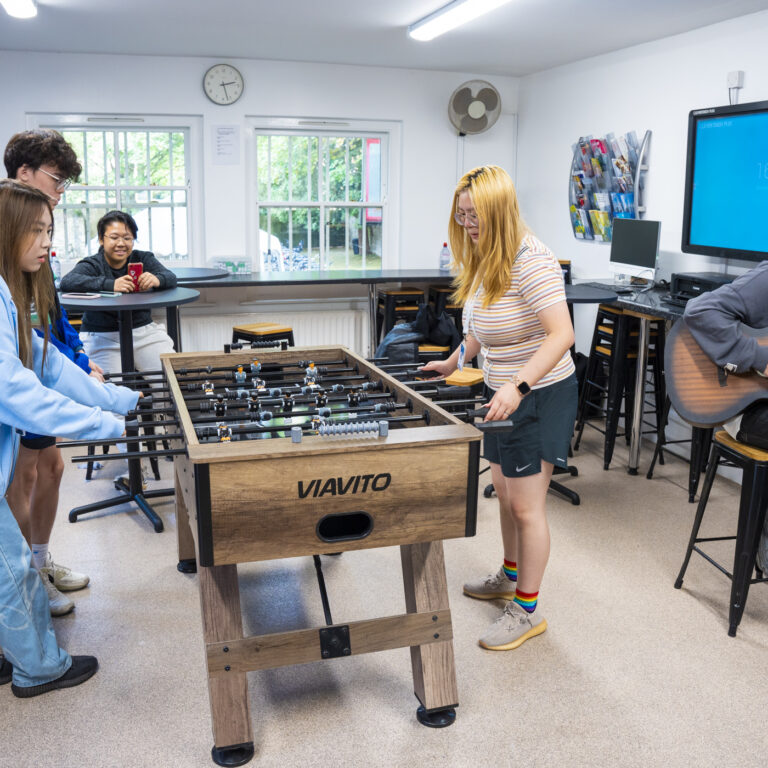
(62, 185)
(466, 219)
(125, 238)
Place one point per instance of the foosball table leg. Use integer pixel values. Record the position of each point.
(434, 671)
(230, 710)
(186, 542)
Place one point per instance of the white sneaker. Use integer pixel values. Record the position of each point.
(63, 578)
(59, 604)
(492, 586)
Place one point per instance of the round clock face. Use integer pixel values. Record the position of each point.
(223, 84)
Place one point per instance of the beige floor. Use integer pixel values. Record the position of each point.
(630, 673)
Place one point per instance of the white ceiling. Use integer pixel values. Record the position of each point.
(524, 37)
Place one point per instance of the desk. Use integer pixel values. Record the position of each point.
(124, 305)
(369, 278)
(646, 306)
(185, 275)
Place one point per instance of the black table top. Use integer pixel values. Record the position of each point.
(197, 274)
(172, 297)
(588, 294)
(650, 303)
(321, 277)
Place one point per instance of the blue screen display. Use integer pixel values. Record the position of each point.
(729, 203)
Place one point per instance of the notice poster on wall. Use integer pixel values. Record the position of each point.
(225, 144)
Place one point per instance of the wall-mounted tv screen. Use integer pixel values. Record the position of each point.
(726, 182)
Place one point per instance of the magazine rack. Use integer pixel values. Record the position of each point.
(607, 181)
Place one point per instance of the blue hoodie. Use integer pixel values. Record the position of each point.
(62, 399)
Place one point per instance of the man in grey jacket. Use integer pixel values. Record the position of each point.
(714, 319)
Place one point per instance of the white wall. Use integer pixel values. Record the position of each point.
(101, 84)
(651, 86)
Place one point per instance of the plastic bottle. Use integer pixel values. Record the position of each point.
(445, 258)
(56, 269)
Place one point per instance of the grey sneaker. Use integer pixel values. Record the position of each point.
(513, 628)
(495, 585)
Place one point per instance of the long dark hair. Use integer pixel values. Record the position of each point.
(20, 211)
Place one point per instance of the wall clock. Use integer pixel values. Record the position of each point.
(223, 84)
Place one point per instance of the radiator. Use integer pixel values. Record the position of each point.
(348, 328)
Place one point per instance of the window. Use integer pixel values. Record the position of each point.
(321, 199)
(143, 172)
(140, 164)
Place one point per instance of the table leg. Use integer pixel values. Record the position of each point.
(637, 415)
(173, 324)
(230, 710)
(372, 318)
(434, 672)
(184, 538)
(125, 326)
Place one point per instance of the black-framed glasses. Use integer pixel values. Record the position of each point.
(62, 185)
(466, 219)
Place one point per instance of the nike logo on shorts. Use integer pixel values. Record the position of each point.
(520, 469)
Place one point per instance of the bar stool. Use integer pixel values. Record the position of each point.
(754, 498)
(610, 375)
(700, 440)
(429, 352)
(263, 332)
(396, 305)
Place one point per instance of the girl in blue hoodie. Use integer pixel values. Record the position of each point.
(43, 392)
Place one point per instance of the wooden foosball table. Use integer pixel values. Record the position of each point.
(308, 451)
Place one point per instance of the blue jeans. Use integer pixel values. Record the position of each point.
(26, 632)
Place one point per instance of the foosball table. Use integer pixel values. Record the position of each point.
(307, 451)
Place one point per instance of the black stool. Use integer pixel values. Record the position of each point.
(610, 377)
(396, 305)
(700, 440)
(262, 332)
(754, 499)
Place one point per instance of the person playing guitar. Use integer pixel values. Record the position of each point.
(715, 321)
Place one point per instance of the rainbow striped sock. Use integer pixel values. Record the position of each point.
(510, 568)
(527, 600)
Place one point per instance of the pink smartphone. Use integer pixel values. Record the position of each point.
(135, 270)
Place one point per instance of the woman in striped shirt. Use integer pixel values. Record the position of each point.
(515, 313)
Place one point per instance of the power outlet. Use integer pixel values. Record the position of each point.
(736, 79)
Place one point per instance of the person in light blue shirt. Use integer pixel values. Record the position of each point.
(44, 392)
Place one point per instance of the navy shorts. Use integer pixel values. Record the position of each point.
(543, 427)
(37, 443)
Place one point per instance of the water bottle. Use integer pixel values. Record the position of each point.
(56, 269)
(445, 258)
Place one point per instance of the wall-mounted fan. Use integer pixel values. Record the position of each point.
(474, 107)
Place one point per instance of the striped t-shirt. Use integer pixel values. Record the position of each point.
(509, 329)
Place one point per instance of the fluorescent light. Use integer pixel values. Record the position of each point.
(20, 9)
(451, 16)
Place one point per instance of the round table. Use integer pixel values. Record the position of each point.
(197, 274)
(126, 303)
(588, 294)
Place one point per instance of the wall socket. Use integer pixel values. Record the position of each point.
(736, 79)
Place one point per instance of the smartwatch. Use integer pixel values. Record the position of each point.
(522, 386)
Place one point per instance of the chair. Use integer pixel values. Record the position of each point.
(754, 498)
(396, 305)
(263, 332)
(429, 352)
(609, 379)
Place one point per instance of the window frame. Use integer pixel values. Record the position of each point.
(190, 124)
(390, 134)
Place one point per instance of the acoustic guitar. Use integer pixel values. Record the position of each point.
(700, 391)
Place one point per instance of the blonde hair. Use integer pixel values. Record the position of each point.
(502, 229)
(20, 210)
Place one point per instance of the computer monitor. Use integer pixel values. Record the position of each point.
(634, 248)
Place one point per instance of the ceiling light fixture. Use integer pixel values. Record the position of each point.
(451, 16)
(20, 9)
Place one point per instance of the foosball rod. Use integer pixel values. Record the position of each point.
(307, 425)
(129, 455)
